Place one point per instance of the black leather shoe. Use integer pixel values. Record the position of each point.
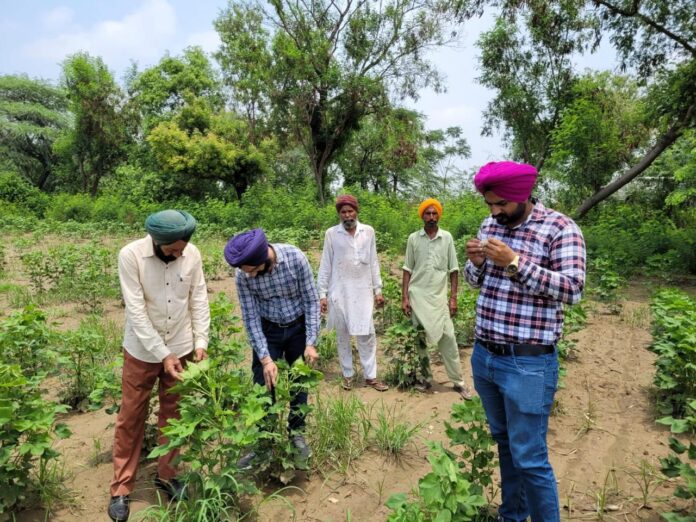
(172, 487)
(119, 508)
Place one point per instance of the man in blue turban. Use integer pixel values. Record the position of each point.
(280, 309)
(167, 324)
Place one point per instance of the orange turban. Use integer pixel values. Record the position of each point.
(428, 202)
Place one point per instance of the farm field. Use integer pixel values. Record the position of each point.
(605, 445)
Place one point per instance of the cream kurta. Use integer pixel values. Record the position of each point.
(430, 263)
(349, 277)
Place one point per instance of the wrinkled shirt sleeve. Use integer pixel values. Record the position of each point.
(310, 300)
(251, 316)
(136, 309)
(565, 280)
(374, 266)
(200, 309)
(324, 276)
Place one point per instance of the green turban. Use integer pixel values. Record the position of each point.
(169, 226)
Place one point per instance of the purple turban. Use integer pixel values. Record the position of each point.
(509, 180)
(248, 248)
(346, 199)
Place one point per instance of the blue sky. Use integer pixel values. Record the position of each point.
(36, 35)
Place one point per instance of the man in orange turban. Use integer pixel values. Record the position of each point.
(430, 261)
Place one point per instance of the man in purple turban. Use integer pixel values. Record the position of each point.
(280, 310)
(528, 261)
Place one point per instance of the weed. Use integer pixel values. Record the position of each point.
(647, 479)
(408, 357)
(602, 496)
(389, 434)
(589, 415)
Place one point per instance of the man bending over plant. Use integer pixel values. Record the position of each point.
(528, 261)
(280, 310)
(167, 323)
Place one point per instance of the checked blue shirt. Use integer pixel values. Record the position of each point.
(280, 296)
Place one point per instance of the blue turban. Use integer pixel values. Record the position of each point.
(248, 248)
(169, 226)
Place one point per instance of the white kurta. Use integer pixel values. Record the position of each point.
(349, 278)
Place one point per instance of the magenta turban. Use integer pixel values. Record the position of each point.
(346, 199)
(509, 180)
(248, 248)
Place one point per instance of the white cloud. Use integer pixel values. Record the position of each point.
(209, 41)
(57, 18)
(142, 35)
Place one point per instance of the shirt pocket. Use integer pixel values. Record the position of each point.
(182, 287)
(364, 255)
(438, 261)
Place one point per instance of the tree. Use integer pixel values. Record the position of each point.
(657, 37)
(199, 148)
(32, 115)
(328, 64)
(161, 91)
(103, 121)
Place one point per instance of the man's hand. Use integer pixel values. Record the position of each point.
(453, 306)
(406, 306)
(474, 251)
(270, 372)
(200, 354)
(323, 305)
(172, 366)
(499, 252)
(379, 300)
(310, 355)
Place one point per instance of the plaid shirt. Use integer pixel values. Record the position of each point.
(280, 296)
(529, 307)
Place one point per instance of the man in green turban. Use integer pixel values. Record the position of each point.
(167, 323)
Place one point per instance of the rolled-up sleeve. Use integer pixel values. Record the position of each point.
(200, 308)
(136, 308)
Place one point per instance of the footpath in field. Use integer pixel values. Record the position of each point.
(603, 439)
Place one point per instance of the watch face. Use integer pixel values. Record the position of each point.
(511, 270)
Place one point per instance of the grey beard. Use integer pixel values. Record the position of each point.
(348, 224)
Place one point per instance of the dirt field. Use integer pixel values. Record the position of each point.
(602, 431)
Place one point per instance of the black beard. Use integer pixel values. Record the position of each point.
(266, 268)
(504, 219)
(431, 223)
(162, 255)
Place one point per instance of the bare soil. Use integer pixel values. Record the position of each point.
(602, 430)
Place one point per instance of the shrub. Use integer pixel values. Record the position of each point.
(18, 191)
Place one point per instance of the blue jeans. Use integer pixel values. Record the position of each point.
(289, 344)
(517, 395)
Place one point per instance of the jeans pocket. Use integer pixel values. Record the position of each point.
(528, 390)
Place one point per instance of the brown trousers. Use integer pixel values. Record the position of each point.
(138, 380)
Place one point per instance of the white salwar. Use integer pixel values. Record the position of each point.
(349, 278)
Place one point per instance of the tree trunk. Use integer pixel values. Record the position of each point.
(665, 141)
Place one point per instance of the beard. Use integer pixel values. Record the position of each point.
(349, 224)
(431, 223)
(266, 268)
(162, 255)
(505, 219)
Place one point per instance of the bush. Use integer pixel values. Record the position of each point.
(18, 191)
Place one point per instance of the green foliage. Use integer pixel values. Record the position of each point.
(674, 334)
(25, 341)
(404, 346)
(605, 283)
(674, 467)
(444, 495)
(391, 313)
(27, 431)
(327, 349)
(390, 434)
(16, 190)
(465, 320)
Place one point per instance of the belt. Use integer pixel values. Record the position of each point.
(516, 349)
(294, 322)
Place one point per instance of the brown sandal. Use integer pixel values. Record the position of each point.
(377, 385)
(347, 383)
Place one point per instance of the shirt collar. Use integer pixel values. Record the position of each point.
(439, 233)
(280, 257)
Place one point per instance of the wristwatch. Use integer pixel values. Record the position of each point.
(511, 269)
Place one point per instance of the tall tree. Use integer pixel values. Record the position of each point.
(97, 143)
(330, 63)
(32, 115)
(658, 38)
(162, 90)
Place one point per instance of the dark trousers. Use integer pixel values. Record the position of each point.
(289, 344)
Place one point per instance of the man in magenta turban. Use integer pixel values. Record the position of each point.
(528, 261)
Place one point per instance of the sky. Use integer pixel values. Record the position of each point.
(37, 35)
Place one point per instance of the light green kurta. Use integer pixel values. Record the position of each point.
(430, 262)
